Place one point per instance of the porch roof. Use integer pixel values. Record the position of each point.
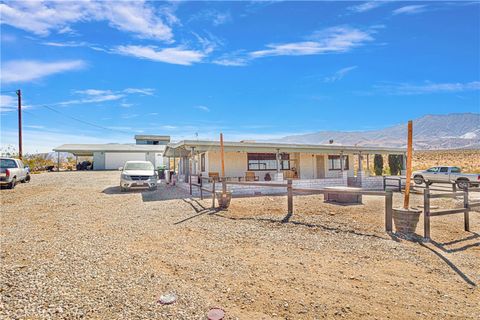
(183, 148)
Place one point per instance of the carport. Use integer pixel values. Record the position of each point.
(112, 156)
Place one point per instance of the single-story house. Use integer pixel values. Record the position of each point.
(306, 164)
(111, 156)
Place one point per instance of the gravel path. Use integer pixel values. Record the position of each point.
(74, 246)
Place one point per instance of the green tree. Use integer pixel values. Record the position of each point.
(395, 164)
(378, 164)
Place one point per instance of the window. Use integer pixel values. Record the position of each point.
(444, 169)
(334, 163)
(7, 164)
(202, 162)
(267, 161)
(455, 170)
(434, 169)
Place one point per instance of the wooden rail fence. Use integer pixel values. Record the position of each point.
(388, 194)
(428, 213)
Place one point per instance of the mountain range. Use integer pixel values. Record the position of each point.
(430, 132)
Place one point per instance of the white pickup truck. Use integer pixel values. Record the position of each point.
(445, 174)
(13, 171)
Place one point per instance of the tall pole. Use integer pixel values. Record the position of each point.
(19, 94)
(409, 165)
(222, 155)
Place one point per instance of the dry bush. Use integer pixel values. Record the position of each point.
(468, 160)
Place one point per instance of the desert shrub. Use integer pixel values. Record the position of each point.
(378, 164)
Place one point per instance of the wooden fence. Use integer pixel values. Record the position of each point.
(197, 181)
(428, 213)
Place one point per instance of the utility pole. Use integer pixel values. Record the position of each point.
(19, 94)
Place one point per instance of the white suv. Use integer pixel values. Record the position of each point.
(138, 174)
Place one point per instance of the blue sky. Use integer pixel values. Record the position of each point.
(254, 70)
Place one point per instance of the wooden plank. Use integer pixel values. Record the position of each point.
(473, 205)
(257, 184)
(388, 211)
(213, 194)
(446, 195)
(447, 212)
(466, 216)
(362, 192)
(290, 196)
(406, 201)
(426, 214)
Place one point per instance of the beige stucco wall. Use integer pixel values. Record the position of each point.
(236, 165)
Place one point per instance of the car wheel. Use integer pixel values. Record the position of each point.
(123, 189)
(152, 188)
(12, 184)
(27, 179)
(462, 184)
(418, 179)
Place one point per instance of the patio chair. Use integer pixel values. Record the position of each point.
(250, 176)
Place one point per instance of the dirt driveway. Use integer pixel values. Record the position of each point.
(74, 246)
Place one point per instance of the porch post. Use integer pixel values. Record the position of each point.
(194, 166)
(404, 165)
(278, 160)
(360, 164)
(368, 165)
(174, 162)
(341, 162)
(278, 174)
(58, 161)
(360, 174)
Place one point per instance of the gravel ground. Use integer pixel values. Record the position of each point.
(74, 246)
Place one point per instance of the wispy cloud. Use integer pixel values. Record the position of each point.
(176, 55)
(7, 103)
(203, 108)
(103, 95)
(338, 75)
(367, 6)
(15, 71)
(412, 9)
(216, 17)
(428, 88)
(143, 91)
(42, 17)
(332, 40)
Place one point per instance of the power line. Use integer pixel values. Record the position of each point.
(83, 121)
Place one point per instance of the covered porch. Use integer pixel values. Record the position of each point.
(306, 165)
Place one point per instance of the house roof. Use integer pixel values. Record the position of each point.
(183, 148)
(152, 137)
(89, 149)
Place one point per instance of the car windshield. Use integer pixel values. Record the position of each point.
(138, 166)
(7, 163)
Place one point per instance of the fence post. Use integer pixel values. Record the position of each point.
(224, 186)
(290, 196)
(467, 209)
(388, 210)
(426, 213)
(384, 183)
(400, 185)
(213, 193)
(190, 182)
(201, 186)
(454, 187)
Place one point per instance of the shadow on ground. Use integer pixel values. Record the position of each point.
(164, 192)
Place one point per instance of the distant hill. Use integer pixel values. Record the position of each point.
(430, 132)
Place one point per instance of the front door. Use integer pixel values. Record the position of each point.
(320, 167)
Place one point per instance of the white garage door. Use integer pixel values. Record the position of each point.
(115, 160)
